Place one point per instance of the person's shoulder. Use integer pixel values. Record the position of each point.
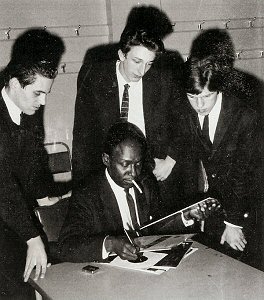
(98, 66)
(89, 185)
(96, 72)
(241, 108)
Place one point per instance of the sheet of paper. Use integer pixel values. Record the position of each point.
(160, 242)
(152, 259)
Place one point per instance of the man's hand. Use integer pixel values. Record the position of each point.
(163, 168)
(203, 210)
(36, 256)
(120, 245)
(234, 237)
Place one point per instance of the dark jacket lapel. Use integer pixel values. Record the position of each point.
(196, 129)
(151, 92)
(106, 88)
(224, 120)
(111, 209)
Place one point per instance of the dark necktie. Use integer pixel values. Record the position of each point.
(205, 130)
(125, 103)
(22, 120)
(132, 209)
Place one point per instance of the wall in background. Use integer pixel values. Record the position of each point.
(86, 23)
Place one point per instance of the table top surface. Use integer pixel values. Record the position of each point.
(205, 274)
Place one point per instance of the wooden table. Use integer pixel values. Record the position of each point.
(206, 274)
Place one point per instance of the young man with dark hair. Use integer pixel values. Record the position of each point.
(102, 87)
(27, 85)
(217, 139)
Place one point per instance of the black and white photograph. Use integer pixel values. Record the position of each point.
(131, 149)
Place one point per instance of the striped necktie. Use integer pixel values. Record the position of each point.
(125, 104)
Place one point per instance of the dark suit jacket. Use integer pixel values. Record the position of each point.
(232, 163)
(16, 225)
(97, 108)
(94, 213)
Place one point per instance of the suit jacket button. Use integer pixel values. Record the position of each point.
(213, 175)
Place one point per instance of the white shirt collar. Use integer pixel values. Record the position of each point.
(13, 110)
(215, 112)
(115, 187)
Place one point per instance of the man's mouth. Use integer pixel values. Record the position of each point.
(202, 111)
(128, 180)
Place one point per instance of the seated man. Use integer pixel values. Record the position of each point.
(100, 211)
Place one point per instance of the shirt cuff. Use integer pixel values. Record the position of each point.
(232, 225)
(185, 222)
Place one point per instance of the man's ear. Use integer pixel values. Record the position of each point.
(121, 55)
(14, 83)
(106, 159)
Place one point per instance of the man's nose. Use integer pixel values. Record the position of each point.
(142, 69)
(42, 99)
(132, 170)
(200, 102)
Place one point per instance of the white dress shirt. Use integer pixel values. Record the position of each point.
(135, 92)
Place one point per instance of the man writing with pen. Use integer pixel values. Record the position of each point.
(119, 198)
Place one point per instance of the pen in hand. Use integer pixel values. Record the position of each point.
(132, 242)
(140, 256)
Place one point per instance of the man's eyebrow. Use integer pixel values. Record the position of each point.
(42, 92)
(125, 160)
(130, 161)
(151, 61)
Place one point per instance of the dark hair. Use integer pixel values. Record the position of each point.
(140, 37)
(26, 72)
(215, 43)
(199, 74)
(123, 131)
